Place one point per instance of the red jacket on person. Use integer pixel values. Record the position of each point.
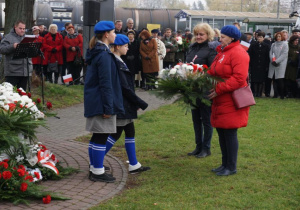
(37, 60)
(232, 65)
(49, 44)
(69, 43)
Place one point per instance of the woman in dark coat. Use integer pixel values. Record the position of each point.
(200, 53)
(132, 58)
(148, 50)
(53, 45)
(292, 67)
(73, 43)
(102, 97)
(131, 104)
(259, 63)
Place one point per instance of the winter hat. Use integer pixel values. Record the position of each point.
(121, 39)
(154, 31)
(231, 31)
(103, 26)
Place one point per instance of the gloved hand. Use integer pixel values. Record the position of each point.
(147, 58)
(275, 64)
(54, 50)
(77, 48)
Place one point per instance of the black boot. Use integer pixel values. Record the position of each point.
(204, 153)
(260, 89)
(195, 152)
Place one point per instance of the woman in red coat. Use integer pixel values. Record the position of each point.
(231, 64)
(36, 61)
(73, 43)
(53, 45)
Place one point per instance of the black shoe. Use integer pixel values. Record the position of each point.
(102, 178)
(140, 169)
(220, 168)
(106, 168)
(195, 152)
(204, 153)
(226, 172)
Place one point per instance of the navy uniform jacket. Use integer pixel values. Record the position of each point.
(102, 88)
(130, 100)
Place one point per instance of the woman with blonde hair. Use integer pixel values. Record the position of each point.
(201, 53)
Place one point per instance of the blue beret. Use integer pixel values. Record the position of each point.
(155, 31)
(104, 25)
(121, 39)
(231, 31)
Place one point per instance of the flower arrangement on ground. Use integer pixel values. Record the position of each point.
(23, 160)
(186, 81)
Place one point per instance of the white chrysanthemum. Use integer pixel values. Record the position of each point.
(26, 99)
(172, 71)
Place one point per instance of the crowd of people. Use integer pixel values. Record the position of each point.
(119, 60)
(56, 58)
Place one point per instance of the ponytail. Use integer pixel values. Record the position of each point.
(92, 42)
(95, 38)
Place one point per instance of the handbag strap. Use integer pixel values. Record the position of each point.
(216, 58)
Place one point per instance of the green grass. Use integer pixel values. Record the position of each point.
(60, 96)
(268, 163)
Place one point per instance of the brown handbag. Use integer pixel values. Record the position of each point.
(243, 97)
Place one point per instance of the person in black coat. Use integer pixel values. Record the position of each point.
(259, 64)
(200, 53)
(131, 104)
(132, 58)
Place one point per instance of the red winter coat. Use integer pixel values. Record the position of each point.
(48, 45)
(69, 43)
(37, 60)
(231, 64)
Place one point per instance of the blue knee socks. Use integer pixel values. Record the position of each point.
(91, 155)
(110, 143)
(98, 154)
(130, 149)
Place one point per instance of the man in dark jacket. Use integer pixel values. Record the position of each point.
(15, 70)
(243, 37)
(130, 27)
(118, 26)
(171, 48)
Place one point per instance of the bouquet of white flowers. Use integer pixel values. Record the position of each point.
(186, 81)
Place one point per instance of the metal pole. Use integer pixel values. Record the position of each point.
(241, 5)
(278, 4)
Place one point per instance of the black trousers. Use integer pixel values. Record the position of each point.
(17, 81)
(99, 138)
(229, 147)
(201, 121)
(75, 71)
(128, 129)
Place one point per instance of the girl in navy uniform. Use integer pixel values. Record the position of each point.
(102, 97)
(131, 104)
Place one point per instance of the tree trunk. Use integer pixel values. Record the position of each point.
(17, 10)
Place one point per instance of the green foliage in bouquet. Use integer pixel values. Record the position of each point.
(186, 85)
(15, 123)
(63, 172)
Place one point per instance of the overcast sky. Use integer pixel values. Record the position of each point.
(190, 2)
